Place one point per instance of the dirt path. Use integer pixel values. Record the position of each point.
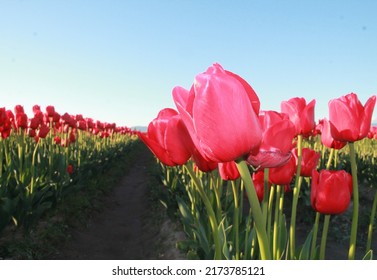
(122, 230)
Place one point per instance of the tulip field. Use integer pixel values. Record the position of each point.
(43, 157)
(242, 177)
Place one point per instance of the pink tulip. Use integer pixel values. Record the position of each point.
(327, 139)
(168, 138)
(309, 162)
(278, 134)
(301, 114)
(220, 115)
(349, 119)
(228, 170)
(283, 175)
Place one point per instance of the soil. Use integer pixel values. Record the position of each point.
(128, 226)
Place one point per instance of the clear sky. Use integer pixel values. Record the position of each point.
(118, 61)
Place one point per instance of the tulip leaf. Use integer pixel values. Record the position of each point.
(283, 236)
(369, 255)
(305, 250)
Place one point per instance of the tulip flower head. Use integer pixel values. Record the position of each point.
(278, 134)
(283, 175)
(228, 170)
(168, 138)
(349, 119)
(309, 162)
(258, 181)
(326, 137)
(301, 114)
(331, 191)
(220, 114)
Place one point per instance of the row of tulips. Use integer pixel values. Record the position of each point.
(43, 157)
(219, 144)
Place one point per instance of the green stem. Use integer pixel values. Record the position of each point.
(269, 217)
(371, 222)
(315, 234)
(236, 219)
(330, 158)
(210, 212)
(265, 196)
(296, 192)
(256, 210)
(281, 214)
(276, 224)
(324, 237)
(217, 192)
(355, 214)
(246, 242)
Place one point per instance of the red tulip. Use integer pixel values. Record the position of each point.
(5, 124)
(50, 111)
(21, 120)
(283, 175)
(327, 139)
(278, 134)
(219, 113)
(56, 117)
(228, 170)
(309, 161)
(331, 191)
(72, 137)
(372, 132)
(36, 108)
(70, 168)
(258, 180)
(301, 114)
(57, 140)
(31, 132)
(81, 125)
(168, 138)
(43, 131)
(349, 119)
(18, 109)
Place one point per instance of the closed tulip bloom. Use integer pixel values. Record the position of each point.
(349, 119)
(283, 175)
(331, 191)
(168, 138)
(309, 161)
(70, 168)
(258, 181)
(36, 108)
(21, 120)
(19, 109)
(327, 139)
(372, 132)
(200, 162)
(300, 114)
(34, 123)
(50, 111)
(43, 131)
(228, 170)
(5, 124)
(276, 145)
(220, 115)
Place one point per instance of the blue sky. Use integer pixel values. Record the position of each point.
(118, 61)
